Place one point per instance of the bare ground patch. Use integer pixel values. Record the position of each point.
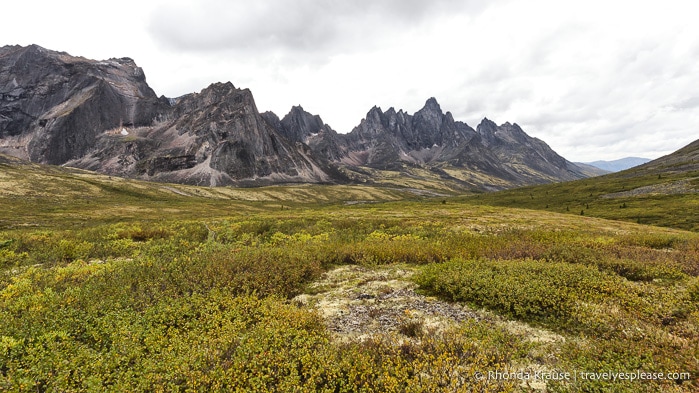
(360, 303)
(357, 303)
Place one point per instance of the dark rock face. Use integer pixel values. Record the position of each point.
(53, 105)
(384, 140)
(508, 143)
(103, 116)
(300, 126)
(169, 164)
(215, 137)
(432, 139)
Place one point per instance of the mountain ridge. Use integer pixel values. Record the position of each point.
(660, 192)
(102, 115)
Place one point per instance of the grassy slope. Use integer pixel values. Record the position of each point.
(46, 196)
(663, 193)
(110, 284)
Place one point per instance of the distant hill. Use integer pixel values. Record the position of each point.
(592, 170)
(620, 164)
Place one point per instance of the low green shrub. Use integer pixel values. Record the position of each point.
(10, 258)
(539, 291)
(657, 241)
(693, 290)
(203, 305)
(636, 270)
(84, 327)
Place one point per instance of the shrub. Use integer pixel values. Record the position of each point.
(9, 258)
(547, 292)
(693, 290)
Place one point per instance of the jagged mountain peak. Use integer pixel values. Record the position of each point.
(432, 104)
(217, 97)
(297, 112)
(513, 127)
(61, 103)
(487, 129)
(515, 134)
(222, 85)
(32, 48)
(375, 111)
(222, 89)
(101, 115)
(386, 140)
(37, 54)
(298, 125)
(429, 119)
(487, 124)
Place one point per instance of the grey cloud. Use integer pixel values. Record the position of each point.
(687, 104)
(212, 25)
(302, 25)
(561, 84)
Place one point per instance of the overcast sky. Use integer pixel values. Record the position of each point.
(594, 79)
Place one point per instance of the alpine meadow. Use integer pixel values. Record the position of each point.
(121, 285)
(195, 244)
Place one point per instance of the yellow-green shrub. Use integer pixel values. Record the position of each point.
(548, 292)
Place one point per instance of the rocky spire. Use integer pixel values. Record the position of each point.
(60, 109)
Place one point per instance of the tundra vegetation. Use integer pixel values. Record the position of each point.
(114, 285)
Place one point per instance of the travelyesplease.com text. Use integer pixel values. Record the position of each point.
(546, 375)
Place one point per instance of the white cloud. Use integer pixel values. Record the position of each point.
(319, 28)
(594, 79)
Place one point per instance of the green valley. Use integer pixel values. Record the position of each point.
(109, 284)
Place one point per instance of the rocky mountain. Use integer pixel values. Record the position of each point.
(102, 115)
(490, 157)
(53, 106)
(215, 137)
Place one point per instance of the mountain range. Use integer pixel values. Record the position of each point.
(620, 164)
(101, 115)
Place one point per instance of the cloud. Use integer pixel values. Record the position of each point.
(593, 79)
(304, 26)
(686, 104)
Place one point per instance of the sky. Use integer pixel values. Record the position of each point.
(595, 80)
